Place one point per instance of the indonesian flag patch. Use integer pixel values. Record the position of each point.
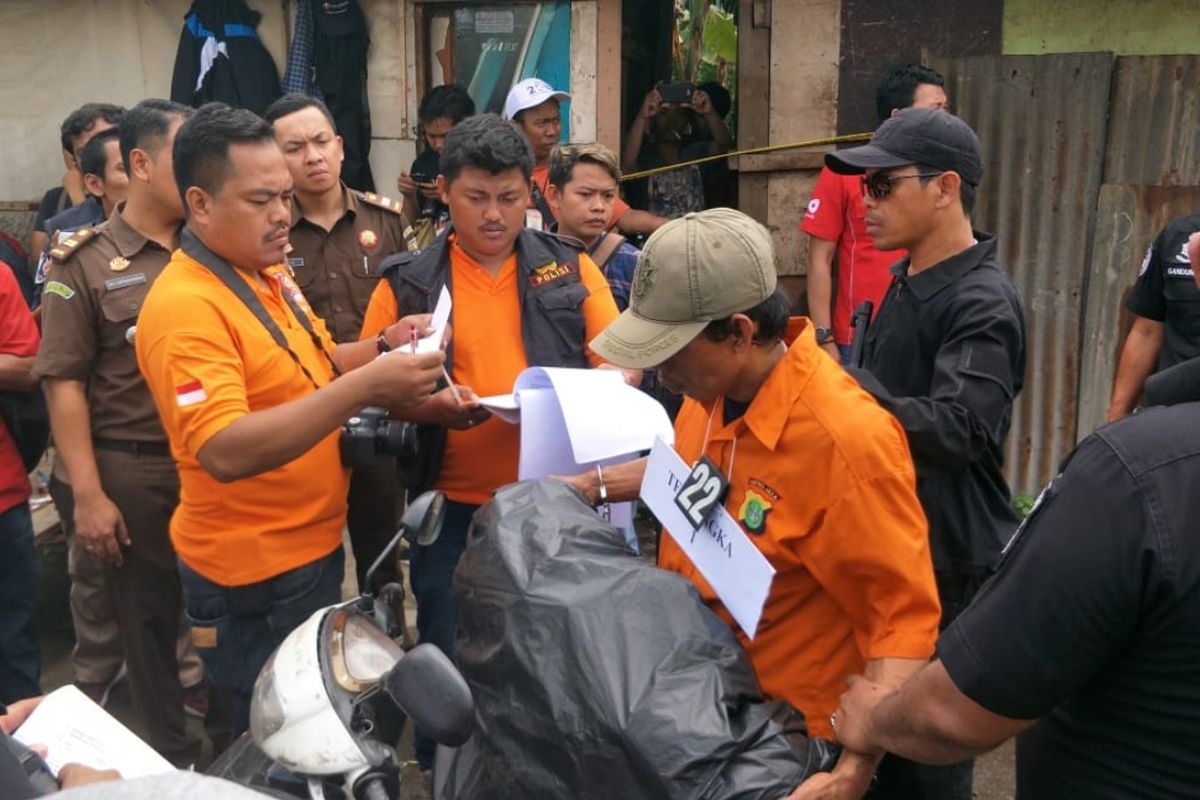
(189, 394)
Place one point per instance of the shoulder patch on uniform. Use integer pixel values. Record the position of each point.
(395, 206)
(59, 288)
(73, 241)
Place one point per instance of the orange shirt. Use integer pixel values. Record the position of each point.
(823, 483)
(488, 355)
(541, 177)
(208, 362)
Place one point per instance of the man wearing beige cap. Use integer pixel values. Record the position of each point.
(819, 476)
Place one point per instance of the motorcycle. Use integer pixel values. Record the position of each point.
(331, 702)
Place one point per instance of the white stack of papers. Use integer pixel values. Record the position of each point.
(74, 729)
(573, 420)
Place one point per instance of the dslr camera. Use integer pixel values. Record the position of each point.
(371, 433)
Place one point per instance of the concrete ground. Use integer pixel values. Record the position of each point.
(994, 779)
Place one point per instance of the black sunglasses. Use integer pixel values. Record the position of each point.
(879, 184)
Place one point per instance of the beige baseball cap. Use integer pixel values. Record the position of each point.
(703, 266)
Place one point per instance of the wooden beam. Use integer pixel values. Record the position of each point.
(608, 74)
(754, 105)
(784, 160)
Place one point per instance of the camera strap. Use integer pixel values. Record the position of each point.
(197, 250)
(542, 205)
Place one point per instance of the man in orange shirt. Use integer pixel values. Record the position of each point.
(533, 106)
(521, 298)
(243, 375)
(819, 476)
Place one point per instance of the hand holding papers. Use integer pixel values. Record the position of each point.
(575, 419)
(75, 729)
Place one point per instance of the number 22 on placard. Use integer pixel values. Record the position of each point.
(702, 492)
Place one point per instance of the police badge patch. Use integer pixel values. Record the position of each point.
(753, 511)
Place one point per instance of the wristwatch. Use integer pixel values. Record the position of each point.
(824, 335)
(381, 343)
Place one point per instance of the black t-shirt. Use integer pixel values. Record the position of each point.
(946, 356)
(1092, 622)
(53, 202)
(1166, 292)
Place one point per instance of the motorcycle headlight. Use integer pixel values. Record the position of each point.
(359, 652)
(266, 710)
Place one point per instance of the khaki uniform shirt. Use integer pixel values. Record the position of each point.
(338, 269)
(96, 286)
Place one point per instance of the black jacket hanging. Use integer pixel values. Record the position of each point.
(340, 62)
(221, 58)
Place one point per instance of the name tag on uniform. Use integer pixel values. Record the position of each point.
(136, 279)
(723, 553)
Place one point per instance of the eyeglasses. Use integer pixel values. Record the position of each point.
(879, 185)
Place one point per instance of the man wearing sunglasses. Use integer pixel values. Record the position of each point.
(835, 222)
(945, 355)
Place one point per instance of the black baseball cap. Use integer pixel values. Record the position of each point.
(926, 136)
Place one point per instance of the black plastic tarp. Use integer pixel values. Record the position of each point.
(597, 675)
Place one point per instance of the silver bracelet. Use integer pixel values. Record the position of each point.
(603, 492)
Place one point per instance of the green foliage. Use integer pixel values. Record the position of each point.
(704, 47)
(1023, 503)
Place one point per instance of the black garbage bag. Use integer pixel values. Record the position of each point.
(597, 675)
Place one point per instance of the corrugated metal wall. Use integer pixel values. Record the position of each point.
(1154, 138)
(1128, 218)
(1056, 129)
(1042, 122)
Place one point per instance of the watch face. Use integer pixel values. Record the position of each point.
(823, 334)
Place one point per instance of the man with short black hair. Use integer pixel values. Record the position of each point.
(339, 237)
(123, 483)
(533, 106)
(945, 355)
(581, 190)
(441, 109)
(79, 126)
(521, 298)
(242, 372)
(103, 171)
(835, 222)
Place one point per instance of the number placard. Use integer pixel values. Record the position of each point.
(702, 493)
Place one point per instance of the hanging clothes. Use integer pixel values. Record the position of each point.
(220, 57)
(340, 63)
(298, 77)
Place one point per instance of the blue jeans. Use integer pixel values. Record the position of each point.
(844, 351)
(20, 659)
(236, 628)
(431, 570)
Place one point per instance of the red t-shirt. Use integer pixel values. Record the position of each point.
(18, 337)
(836, 214)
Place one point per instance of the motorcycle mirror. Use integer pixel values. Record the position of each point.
(427, 687)
(421, 523)
(422, 520)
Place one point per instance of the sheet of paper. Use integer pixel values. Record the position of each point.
(546, 446)
(604, 416)
(723, 553)
(74, 728)
(504, 406)
(441, 316)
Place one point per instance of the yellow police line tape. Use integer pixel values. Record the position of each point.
(849, 137)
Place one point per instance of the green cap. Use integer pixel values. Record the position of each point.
(703, 266)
